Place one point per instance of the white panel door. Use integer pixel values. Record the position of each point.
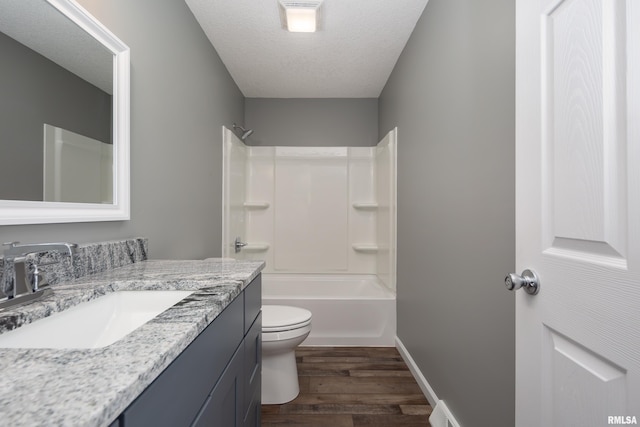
(578, 212)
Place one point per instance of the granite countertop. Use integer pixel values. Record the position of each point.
(92, 387)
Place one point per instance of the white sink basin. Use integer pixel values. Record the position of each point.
(93, 324)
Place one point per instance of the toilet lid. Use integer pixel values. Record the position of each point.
(278, 317)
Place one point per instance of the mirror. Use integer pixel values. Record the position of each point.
(64, 115)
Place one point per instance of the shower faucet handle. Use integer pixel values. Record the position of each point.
(239, 244)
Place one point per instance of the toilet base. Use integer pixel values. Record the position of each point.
(279, 369)
(279, 378)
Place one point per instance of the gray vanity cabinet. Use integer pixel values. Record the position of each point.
(215, 382)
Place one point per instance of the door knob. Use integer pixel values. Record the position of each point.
(529, 281)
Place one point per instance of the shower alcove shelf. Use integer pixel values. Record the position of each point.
(365, 206)
(256, 205)
(365, 248)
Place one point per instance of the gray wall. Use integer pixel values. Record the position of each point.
(181, 95)
(35, 91)
(452, 96)
(325, 122)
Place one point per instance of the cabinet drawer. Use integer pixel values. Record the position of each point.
(252, 301)
(176, 396)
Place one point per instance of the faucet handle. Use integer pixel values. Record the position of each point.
(36, 278)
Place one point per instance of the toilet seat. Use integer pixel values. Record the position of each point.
(280, 318)
(282, 336)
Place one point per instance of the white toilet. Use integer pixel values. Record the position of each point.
(283, 329)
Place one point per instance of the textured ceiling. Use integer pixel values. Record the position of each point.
(351, 56)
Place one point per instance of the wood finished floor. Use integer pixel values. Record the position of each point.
(351, 387)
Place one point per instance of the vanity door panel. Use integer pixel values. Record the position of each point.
(224, 406)
(176, 396)
(253, 373)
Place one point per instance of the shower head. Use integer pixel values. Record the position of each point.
(245, 132)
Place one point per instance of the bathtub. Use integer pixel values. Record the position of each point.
(347, 310)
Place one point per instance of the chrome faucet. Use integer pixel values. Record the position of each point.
(19, 283)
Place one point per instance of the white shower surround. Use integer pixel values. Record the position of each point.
(322, 210)
(324, 220)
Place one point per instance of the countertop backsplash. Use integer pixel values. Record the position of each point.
(89, 258)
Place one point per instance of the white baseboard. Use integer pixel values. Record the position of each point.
(441, 415)
(417, 374)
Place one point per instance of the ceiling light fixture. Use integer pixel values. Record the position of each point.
(302, 16)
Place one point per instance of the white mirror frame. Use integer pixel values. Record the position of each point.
(13, 212)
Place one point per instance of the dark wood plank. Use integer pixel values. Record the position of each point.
(390, 420)
(363, 385)
(416, 409)
(321, 372)
(369, 352)
(392, 365)
(303, 383)
(341, 408)
(307, 420)
(380, 373)
(338, 359)
(270, 410)
(362, 398)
